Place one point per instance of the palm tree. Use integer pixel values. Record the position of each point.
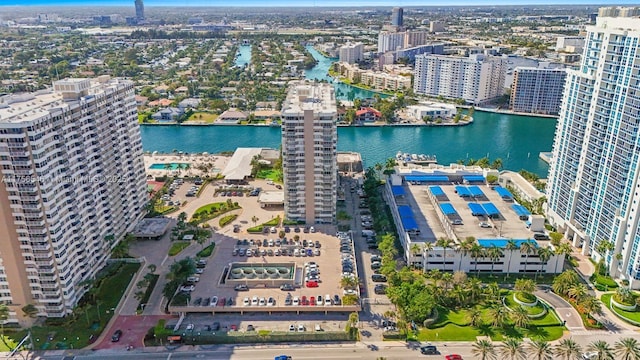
(464, 249)
(4, 315)
(511, 247)
(348, 282)
(254, 220)
(577, 291)
(520, 317)
(602, 349)
(495, 253)
(427, 247)
(563, 249)
(390, 163)
(512, 349)
(475, 317)
(526, 247)
(563, 282)
(484, 350)
(445, 244)
(475, 289)
(541, 350)
(415, 249)
(568, 349)
(591, 305)
(627, 349)
(603, 247)
(498, 316)
(476, 251)
(544, 254)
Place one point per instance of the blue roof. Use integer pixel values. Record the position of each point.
(405, 211)
(409, 223)
(502, 243)
(503, 192)
(436, 190)
(397, 190)
(490, 209)
(476, 209)
(520, 210)
(427, 178)
(463, 191)
(473, 178)
(475, 191)
(448, 209)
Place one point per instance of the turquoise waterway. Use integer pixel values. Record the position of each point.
(517, 140)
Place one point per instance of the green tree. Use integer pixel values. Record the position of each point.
(568, 349)
(495, 253)
(511, 247)
(602, 349)
(545, 254)
(627, 349)
(525, 285)
(477, 252)
(512, 349)
(445, 244)
(520, 317)
(563, 282)
(541, 350)
(527, 248)
(577, 291)
(428, 248)
(498, 315)
(30, 311)
(483, 350)
(475, 317)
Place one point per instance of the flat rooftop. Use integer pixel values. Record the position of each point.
(239, 166)
(151, 227)
(302, 96)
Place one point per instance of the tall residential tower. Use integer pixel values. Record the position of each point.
(309, 156)
(139, 10)
(594, 178)
(73, 184)
(397, 16)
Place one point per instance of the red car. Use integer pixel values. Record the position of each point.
(312, 284)
(222, 302)
(313, 301)
(304, 301)
(233, 327)
(453, 357)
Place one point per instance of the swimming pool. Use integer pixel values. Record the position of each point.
(502, 243)
(161, 166)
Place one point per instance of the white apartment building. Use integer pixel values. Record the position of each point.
(352, 53)
(309, 155)
(537, 90)
(73, 186)
(594, 176)
(390, 41)
(477, 79)
(376, 79)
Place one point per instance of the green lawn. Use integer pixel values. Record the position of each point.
(203, 117)
(206, 252)
(270, 174)
(177, 247)
(209, 208)
(453, 325)
(532, 310)
(630, 315)
(74, 331)
(511, 279)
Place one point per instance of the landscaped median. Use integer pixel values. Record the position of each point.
(213, 210)
(623, 304)
(258, 229)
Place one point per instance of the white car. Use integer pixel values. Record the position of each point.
(190, 327)
(254, 301)
(327, 300)
(296, 301)
(263, 302)
(214, 301)
(485, 225)
(193, 278)
(187, 288)
(590, 355)
(274, 230)
(301, 328)
(246, 301)
(312, 229)
(349, 292)
(292, 327)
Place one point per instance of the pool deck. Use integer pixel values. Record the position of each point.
(194, 160)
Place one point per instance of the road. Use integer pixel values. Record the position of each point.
(391, 350)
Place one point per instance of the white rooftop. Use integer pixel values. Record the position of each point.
(271, 197)
(239, 166)
(319, 97)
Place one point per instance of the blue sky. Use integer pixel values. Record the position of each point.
(263, 3)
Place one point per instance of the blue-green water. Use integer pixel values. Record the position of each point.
(343, 91)
(517, 140)
(161, 166)
(244, 56)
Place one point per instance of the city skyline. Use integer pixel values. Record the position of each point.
(308, 3)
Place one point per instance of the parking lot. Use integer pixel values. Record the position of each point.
(507, 225)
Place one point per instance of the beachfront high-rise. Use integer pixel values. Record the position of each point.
(309, 155)
(73, 184)
(537, 90)
(477, 79)
(594, 177)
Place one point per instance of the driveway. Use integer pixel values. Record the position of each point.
(133, 329)
(564, 310)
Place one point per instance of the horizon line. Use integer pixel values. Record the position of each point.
(460, 3)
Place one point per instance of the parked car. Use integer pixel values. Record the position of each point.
(214, 301)
(241, 287)
(453, 357)
(116, 336)
(286, 287)
(250, 328)
(215, 326)
(187, 288)
(378, 278)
